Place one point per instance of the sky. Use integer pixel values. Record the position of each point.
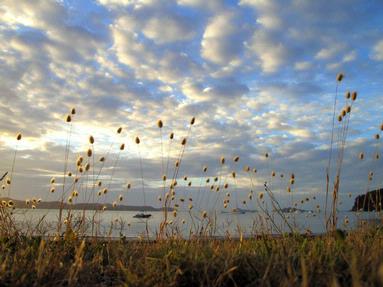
(259, 76)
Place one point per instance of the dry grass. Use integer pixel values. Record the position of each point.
(355, 259)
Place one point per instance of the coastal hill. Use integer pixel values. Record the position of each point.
(80, 206)
(371, 201)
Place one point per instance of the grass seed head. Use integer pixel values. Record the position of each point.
(119, 130)
(236, 159)
(73, 111)
(89, 152)
(68, 118)
(137, 140)
(122, 146)
(192, 121)
(171, 136)
(160, 124)
(377, 136)
(347, 95)
(18, 137)
(354, 95)
(102, 159)
(91, 140)
(339, 77)
(183, 141)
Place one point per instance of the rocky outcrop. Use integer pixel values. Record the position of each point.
(371, 201)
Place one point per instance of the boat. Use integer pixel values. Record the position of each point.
(142, 215)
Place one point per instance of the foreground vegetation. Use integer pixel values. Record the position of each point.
(354, 259)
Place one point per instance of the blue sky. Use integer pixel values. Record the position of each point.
(259, 76)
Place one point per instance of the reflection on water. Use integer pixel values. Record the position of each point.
(123, 223)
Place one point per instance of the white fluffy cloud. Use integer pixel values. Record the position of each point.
(377, 51)
(223, 38)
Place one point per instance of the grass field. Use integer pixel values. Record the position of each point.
(354, 259)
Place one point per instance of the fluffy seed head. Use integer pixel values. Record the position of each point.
(79, 160)
(339, 77)
(354, 95)
(348, 95)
